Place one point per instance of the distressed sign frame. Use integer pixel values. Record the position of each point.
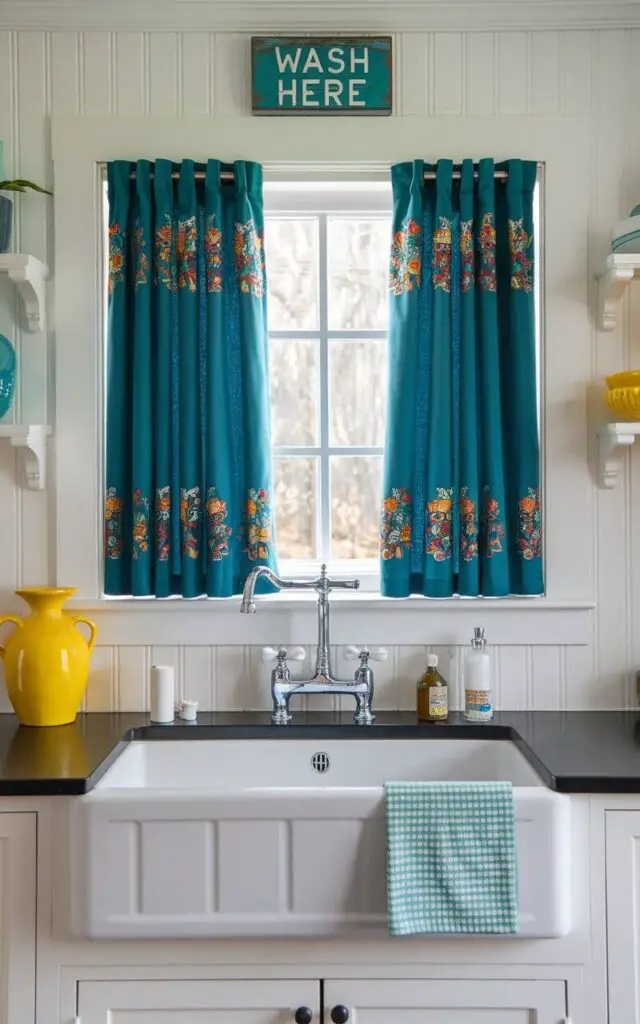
(267, 44)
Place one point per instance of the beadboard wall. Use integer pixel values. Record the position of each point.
(441, 75)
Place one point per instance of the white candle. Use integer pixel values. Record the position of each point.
(162, 693)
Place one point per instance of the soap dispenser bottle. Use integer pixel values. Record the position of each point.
(477, 680)
(432, 693)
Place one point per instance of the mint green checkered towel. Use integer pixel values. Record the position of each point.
(451, 858)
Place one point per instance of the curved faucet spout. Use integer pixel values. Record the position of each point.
(248, 604)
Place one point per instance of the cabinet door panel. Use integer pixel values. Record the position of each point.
(17, 917)
(623, 915)
(452, 1001)
(195, 1002)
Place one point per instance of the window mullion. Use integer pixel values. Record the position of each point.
(324, 509)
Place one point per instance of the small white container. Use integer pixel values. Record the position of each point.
(187, 710)
(477, 680)
(163, 694)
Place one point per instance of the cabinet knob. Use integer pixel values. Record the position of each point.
(340, 1015)
(303, 1015)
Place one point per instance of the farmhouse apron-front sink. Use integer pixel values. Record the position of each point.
(215, 838)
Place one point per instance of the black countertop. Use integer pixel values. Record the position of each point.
(572, 751)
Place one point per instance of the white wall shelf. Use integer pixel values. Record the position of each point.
(613, 277)
(29, 275)
(612, 436)
(31, 442)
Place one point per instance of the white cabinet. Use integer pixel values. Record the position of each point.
(623, 915)
(446, 1002)
(195, 1002)
(17, 917)
(452, 1001)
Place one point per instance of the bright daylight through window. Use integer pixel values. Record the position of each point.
(327, 252)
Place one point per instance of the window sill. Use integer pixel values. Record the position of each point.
(357, 618)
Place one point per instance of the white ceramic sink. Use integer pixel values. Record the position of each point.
(214, 838)
(232, 765)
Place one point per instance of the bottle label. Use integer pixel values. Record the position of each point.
(477, 705)
(438, 701)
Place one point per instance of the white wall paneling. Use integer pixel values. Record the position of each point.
(513, 56)
(130, 73)
(97, 73)
(131, 678)
(165, 59)
(196, 93)
(100, 695)
(448, 72)
(224, 678)
(544, 72)
(178, 61)
(481, 78)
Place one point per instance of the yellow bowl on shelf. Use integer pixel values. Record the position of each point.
(624, 402)
(626, 379)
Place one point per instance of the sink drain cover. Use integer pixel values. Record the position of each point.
(320, 762)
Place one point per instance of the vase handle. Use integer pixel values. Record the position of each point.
(92, 627)
(10, 618)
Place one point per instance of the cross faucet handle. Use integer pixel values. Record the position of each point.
(282, 654)
(375, 653)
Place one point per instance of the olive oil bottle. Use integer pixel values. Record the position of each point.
(433, 693)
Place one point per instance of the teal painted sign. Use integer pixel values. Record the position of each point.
(321, 76)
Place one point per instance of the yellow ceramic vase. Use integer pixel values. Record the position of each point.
(46, 661)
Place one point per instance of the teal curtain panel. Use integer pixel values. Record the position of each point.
(461, 507)
(188, 502)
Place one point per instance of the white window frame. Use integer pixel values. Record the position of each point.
(367, 199)
(335, 148)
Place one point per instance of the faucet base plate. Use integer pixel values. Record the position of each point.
(281, 716)
(364, 716)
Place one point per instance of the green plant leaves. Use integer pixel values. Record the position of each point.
(21, 185)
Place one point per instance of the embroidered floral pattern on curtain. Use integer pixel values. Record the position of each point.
(187, 500)
(396, 534)
(406, 257)
(461, 508)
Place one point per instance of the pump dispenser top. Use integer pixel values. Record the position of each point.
(479, 642)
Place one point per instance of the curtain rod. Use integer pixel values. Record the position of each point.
(199, 175)
(228, 176)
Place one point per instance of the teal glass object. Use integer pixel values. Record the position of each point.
(189, 499)
(461, 510)
(7, 374)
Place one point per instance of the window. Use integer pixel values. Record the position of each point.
(327, 251)
(327, 256)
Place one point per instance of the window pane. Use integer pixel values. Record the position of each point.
(355, 506)
(294, 392)
(357, 389)
(358, 259)
(296, 485)
(291, 250)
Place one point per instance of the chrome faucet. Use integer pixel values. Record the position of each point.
(323, 681)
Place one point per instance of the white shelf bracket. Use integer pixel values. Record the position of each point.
(29, 276)
(31, 443)
(611, 287)
(610, 438)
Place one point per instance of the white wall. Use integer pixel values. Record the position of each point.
(443, 75)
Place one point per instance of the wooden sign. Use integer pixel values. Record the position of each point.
(321, 76)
